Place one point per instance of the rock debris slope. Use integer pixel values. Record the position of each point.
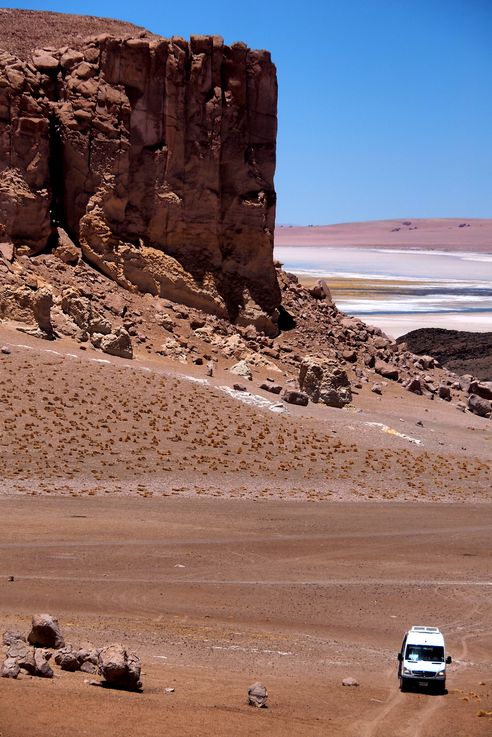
(156, 156)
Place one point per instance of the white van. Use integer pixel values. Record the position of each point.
(422, 659)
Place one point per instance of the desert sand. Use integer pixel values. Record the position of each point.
(449, 234)
(226, 543)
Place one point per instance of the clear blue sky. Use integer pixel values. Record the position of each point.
(385, 106)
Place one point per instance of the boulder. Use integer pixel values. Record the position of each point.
(350, 682)
(323, 381)
(66, 250)
(272, 388)
(377, 388)
(257, 695)
(427, 362)
(119, 668)
(42, 667)
(84, 658)
(386, 370)
(117, 344)
(67, 659)
(483, 389)
(23, 655)
(45, 632)
(350, 356)
(479, 406)
(294, 397)
(444, 392)
(11, 636)
(321, 291)
(465, 382)
(242, 369)
(414, 385)
(10, 668)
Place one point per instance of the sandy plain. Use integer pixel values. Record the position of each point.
(450, 234)
(226, 543)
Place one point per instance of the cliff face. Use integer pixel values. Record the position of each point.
(157, 156)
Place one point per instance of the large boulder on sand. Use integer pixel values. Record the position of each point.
(119, 668)
(323, 381)
(45, 632)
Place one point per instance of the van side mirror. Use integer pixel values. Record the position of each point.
(400, 657)
(448, 660)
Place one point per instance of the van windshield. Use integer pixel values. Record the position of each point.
(430, 653)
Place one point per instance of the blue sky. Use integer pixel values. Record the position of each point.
(385, 106)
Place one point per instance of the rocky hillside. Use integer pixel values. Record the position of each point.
(461, 351)
(21, 31)
(137, 215)
(156, 157)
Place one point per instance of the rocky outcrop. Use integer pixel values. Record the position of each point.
(156, 156)
(459, 350)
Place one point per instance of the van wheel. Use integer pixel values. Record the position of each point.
(403, 685)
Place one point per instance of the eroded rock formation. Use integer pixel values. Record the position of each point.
(157, 157)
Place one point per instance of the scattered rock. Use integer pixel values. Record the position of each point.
(414, 385)
(321, 291)
(10, 668)
(350, 682)
(84, 658)
(11, 636)
(479, 406)
(483, 389)
(117, 344)
(257, 695)
(239, 387)
(210, 368)
(444, 392)
(67, 659)
(242, 369)
(272, 388)
(386, 370)
(45, 632)
(294, 397)
(42, 667)
(5, 350)
(119, 668)
(377, 388)
(66, 249)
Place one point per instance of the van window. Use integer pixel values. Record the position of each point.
(429, 653)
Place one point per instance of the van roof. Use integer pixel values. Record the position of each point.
(420, 635)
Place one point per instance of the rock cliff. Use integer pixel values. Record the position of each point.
(156, 156)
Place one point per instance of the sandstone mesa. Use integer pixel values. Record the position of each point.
(156, 156)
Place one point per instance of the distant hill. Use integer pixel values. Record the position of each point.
(458, 350)
(447, 234)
